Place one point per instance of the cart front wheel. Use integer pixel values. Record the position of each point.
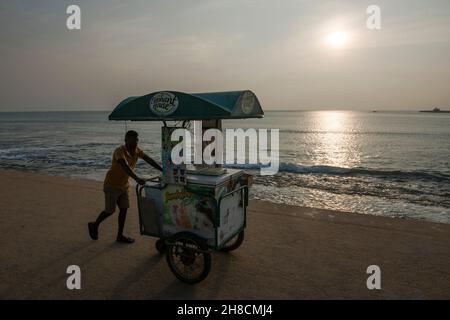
(188, 258)
(233, 243)
(161, 246)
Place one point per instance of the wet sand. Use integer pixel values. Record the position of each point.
(289, 252)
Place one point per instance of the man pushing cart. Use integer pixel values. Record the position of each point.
(191, 209)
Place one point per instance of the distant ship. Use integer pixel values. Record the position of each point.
(436, 110)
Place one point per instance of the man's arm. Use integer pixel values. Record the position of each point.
(151, 162)
(125, 167)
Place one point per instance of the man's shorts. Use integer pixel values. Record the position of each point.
(115, 196)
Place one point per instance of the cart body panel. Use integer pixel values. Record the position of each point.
(214, 212)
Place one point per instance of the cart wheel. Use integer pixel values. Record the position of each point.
(161, 246)
(233, 243)
(187, 257)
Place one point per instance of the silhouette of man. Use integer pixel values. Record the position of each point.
(115, 186)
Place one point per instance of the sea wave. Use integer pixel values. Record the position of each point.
(343, 171)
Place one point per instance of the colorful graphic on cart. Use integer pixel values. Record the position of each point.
(185, 210)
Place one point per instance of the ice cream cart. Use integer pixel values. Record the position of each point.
(192, 209)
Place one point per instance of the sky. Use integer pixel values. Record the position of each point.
(293, 54)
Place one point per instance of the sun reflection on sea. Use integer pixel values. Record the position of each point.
(335, 139)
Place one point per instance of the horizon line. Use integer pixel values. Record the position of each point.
(278, 110)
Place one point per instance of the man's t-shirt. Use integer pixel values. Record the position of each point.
(116, 177)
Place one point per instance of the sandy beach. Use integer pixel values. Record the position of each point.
(289, 252)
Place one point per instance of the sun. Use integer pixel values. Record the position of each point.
(338, 39)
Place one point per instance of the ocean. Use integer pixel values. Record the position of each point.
(393, 164)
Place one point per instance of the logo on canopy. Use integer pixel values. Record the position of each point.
(164, 103)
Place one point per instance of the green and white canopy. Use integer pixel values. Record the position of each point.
(173, 105)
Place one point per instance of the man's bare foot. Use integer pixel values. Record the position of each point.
(124, 239)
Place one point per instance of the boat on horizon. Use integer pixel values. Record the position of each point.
(436, 110)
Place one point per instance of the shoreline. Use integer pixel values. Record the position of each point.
(289, 252)
(403, 217)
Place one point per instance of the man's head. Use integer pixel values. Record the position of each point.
(131, 139)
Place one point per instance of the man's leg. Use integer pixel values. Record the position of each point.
(121, 220)
(110, 206)
(102, 216)
(123, 203)
(93, 226)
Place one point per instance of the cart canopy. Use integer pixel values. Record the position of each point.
(173, 105)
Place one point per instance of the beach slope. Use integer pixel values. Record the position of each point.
(289, 252)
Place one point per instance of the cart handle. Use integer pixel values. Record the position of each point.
(241, 188)
(140, 187)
